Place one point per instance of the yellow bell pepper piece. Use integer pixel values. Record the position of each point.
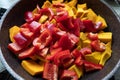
(106, 54)
(84, 15)
(86, 43)
(91, 15)
(32, 67)
(94, 57)
(72, 3)
(53, 21)
(46, 4)
(83, 6)
(78, 70)
(70, 10)
(101, 19)
(83, 36)
(79, 45)
(105, 36)
(79, 12)
(74, 9)
(43, 18)
(13, 31)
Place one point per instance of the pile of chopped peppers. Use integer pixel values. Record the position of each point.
(61, 41)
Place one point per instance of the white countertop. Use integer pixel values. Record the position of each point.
(7, 3)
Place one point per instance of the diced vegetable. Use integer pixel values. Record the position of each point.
(106, 54)
(78, 70)
(94, 57)
(50, 71)
(105, 36)
(83, 6)
(101, 19)
(89, 66)
(32, 67)
(91, 15)
(13, 31)
(69, 75)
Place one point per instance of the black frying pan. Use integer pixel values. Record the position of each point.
(15, 16)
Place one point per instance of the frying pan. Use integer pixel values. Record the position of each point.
(15, 16)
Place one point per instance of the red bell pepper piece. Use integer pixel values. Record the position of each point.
(43, 40)
(89, 26)
(36, 16)
(27, 53)
(48, 12)
(37, 44)
(98, 25)
(61, 15)
(69, 75)
(76, 53)
(21, 40)
(82, 26)
(14, 47)
(61, 26)
(74, 39)
(55, 32)
(76, 29)
(67, 23)
(89, 66)
(65, 42)
(28, 16)
(34, 26)
(79, 61)
(26, 33)
(92, 36)
(98, 46)
(43, 53)
(63, 58)
(50, 71)
(25, 25)
(53, 52)
(85, 51)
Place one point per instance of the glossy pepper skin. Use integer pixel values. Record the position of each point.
(50, 71)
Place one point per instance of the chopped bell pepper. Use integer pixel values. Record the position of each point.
(50, 71)
(105, 36)
(69, 75)
(13, 31)
(89, 66)
(78, 70)
(32, 67)
(106, 54)
(93, 57)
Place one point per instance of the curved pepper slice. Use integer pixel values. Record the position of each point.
(43, 40)
(27, 53)
(89, 66)
(63, 58)
(69, 75)
(32, 67)
(106, 54)
(50, 71)
(78, 70)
